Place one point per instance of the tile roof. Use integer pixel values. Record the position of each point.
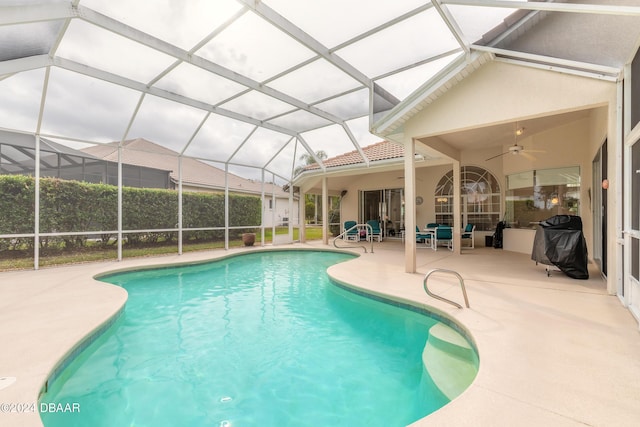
(383, 150)
(141, 152)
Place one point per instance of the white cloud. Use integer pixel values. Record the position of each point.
(90, 109)
(166, 122)
(21, 100)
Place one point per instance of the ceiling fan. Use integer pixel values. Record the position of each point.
(517, 149)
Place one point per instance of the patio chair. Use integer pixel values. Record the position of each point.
(375, 230)
(352, 231)
(423, 237)
(443, 234)
(468, 234)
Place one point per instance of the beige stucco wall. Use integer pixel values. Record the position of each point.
(427, 178)
(566, 145)
(364, 182)
(500, 93)
(504, 93)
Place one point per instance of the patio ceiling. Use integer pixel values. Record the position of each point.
(254, 84)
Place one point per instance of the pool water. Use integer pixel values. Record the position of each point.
(263, 339)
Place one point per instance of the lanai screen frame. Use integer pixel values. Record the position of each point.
(382, 102)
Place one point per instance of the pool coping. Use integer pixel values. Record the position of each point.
(412, 306)
(491, 321)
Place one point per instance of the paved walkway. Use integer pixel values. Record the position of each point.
(553, 350)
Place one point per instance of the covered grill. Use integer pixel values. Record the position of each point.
(559, 241)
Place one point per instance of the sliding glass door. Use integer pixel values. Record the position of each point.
(384, 206)
(599, 203)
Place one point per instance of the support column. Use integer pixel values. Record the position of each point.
(409, 206)
(226, 206)
(120, 221)
(302, 219)
(457, 210)
(325, 213)
(36, 216)
(273, 213)
(263, 208)
(290, 214)
(180, 213)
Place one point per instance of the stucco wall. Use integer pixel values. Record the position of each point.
(370, 181)
(500, 92)
(566, 145)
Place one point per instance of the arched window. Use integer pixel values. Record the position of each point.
(481, 202)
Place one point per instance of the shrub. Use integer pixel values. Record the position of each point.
(73, 206)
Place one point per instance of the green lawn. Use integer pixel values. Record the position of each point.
(14, 260)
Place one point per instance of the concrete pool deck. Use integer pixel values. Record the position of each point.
(553, 350)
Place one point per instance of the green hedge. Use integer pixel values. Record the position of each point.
(72, 206)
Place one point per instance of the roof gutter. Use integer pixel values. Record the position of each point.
(221, 189)
(354, 168)
(409, 106)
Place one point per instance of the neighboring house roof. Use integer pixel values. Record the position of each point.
(195, 173)
(28, 141)
(383, 150)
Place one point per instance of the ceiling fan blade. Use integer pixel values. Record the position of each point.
(491, 158)
(527, 155)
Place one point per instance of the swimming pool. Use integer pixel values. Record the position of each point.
(262, 339)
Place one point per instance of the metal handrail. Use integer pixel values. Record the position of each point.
(339, 236)
(444, 270)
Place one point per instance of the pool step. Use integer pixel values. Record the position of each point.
(450, 360)
(449, 340)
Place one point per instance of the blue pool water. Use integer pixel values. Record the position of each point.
(263, 339)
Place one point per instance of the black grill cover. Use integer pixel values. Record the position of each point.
(559, 241)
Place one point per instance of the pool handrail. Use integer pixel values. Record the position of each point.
(357, 226)
(460, 279)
